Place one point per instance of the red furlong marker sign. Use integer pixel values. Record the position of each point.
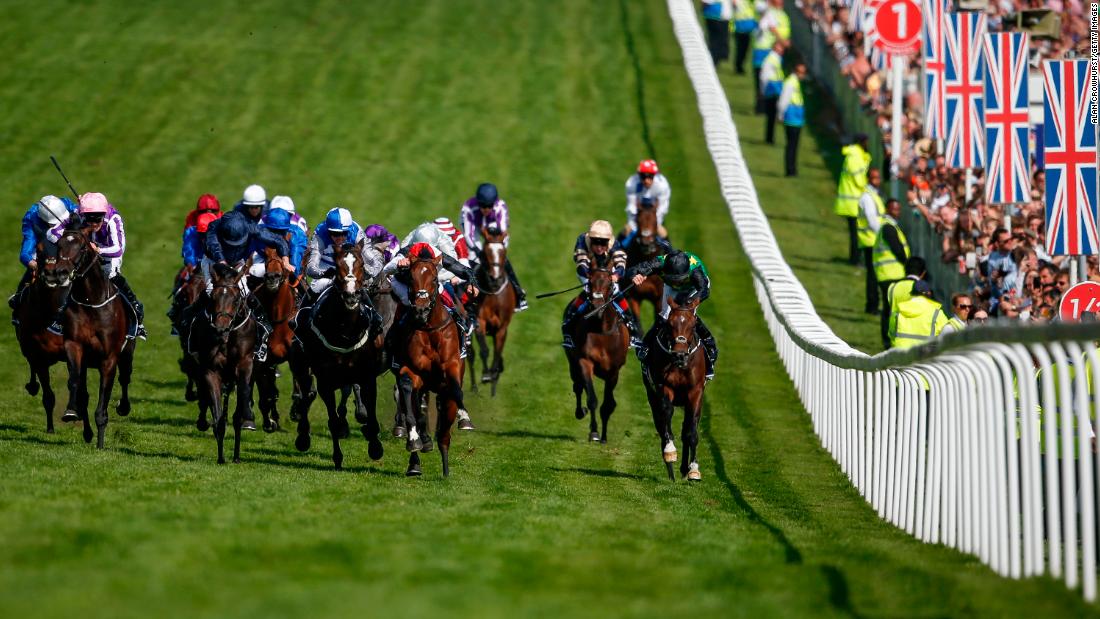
(898, 25)
(1084, 298)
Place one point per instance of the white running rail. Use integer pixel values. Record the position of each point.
(981, 440)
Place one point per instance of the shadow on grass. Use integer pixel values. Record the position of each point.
(529, 434)
(599, 473)
(13, 428)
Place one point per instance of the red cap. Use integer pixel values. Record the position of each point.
(202, 223)
(207, 202)
(647, 166)
(419, 248)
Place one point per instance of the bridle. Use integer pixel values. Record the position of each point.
(423, 314)
(681, 348)
(82, 263)
(232, 316)
(499, 283)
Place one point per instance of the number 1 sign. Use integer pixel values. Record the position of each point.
(898, 25)
(1084, 298)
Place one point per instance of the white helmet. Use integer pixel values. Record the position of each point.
(283, 202)
(51, 210)
(254, 195)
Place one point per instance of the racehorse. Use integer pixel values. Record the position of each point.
(340, 347)
(602, 341)
(428, 361)
(188, 287)
(496, 307)
(37, 307)
(674, 373)
(94, 327)
(276, 296)
(221, 340)
(645, 245)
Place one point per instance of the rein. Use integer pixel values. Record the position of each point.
(363, 339)
(79, 273)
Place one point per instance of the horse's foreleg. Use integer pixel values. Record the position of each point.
(367, 393)
(499, 338)
(586, 372)
(82, 398)
(327, 391)
(107, 371)
(32, 381)
(242, 409)
(578, 387)
(690, 434)
(42, 373)
(609, 403)
(410, 409)
(125, 371)
(483, 352)
(212, 386)
(73, 358)
(668, 449)
(269, 395)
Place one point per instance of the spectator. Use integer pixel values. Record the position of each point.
(1001, 268)
(961, 306)
(792, 111)
(717, 14)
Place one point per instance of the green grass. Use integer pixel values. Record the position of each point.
(397, 113)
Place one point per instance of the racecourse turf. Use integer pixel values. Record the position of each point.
(397, 112)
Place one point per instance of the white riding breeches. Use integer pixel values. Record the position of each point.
(319, 285)
(112, 267)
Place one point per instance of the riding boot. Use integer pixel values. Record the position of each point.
(13, 300)
(710, 347)
(521, 294)
(635, 327)
(131, 299)
(463, 331)
(642, 350)
(263, 327)
(55, 326)
(368, 313)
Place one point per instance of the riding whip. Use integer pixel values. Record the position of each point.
(613, 298)
(62, 173)
(551, 294)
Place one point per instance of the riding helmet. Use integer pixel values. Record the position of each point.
(277, 219)
(283, 202)
(486, 195)
(338, 220)
(233, 229)
(647, 166)
(254, 195)
(677, 266)
(93, 202)
(51, 210)
(208, 202)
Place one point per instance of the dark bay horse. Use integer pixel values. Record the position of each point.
(188, 287)
(427, 354)
(221, 341)
(37, 307)
(602, 342)
(496, 307)
(339, 344)
(646, 245)
(674, 373)
(276, 296)
(94, 328)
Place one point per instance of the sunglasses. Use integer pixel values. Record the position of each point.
(644, 175)
(600, 242)
(93, 219)
(965, 307)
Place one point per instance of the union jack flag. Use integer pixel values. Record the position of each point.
(1008, 176)
(933, 53)
(1069, 144)
(963, 36)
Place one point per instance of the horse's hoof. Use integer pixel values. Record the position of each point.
(464, 423)
(236, 459)
(294, 415)
(375, 450)
(428, 444)
(123, 409)
(669, 452)
(248, 424)
(190, 396)
(579, 413)
(594, 437)
(88, 437)
(302, 442)
(413, 471)
(693, 473)
(399, 432)
(202, 425)
(361, 416)
(70, 416)
(270, 426)
(486, 379)
(413, 446)
(343, 429)
(32, 388)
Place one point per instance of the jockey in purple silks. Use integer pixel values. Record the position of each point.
(483, 209)
(383, 240)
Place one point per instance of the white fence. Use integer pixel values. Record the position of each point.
(981, 440)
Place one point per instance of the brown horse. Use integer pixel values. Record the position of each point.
(221, 340)
(674, 375)
(188, 287)
(427, 355)
(496, 306)
(37, 307)
(276, 296)
(339, 345)
(646, 245)
(94, 327)
(602, 341)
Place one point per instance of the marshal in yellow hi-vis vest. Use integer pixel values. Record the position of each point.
(864, 234)
(887, 265)
(853, 180)
(916, 321)
(900, 291)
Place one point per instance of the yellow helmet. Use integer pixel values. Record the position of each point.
(601, 229)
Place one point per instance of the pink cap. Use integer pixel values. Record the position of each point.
(93, 202)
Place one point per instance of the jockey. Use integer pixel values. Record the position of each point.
(662, 242)
(285, 203)
(648, 182)
(462, 249)
(383, 240)
(338, 228)
(483, 209)
(253, 203)
(109, 241)
(39, 218)
(685, 276)
(230, 241)
(598, 245)
(207, 203)
(281, 222)
(194, 244)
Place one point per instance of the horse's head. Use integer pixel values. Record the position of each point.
(274, 271)
(647, 225)
(496, 254)
(227, 299)
(351, 277)
(424, 276)
(70, 257)
(681, 331)
(600, 287)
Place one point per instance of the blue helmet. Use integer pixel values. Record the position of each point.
(277, 219)
(338, 220)
(486, 195)
(233, 229)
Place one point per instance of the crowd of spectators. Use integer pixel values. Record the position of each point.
(1010, 273)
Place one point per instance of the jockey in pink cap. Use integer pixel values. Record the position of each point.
(109, 241)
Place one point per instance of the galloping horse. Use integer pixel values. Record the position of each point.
(39, 304)
(94, 328)
(221, 340)
(674, 375)
(602, 342)
(188, 287)
(429, 361)
(340, 348)
(276, 296)
(496, 307)
(645, 245)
